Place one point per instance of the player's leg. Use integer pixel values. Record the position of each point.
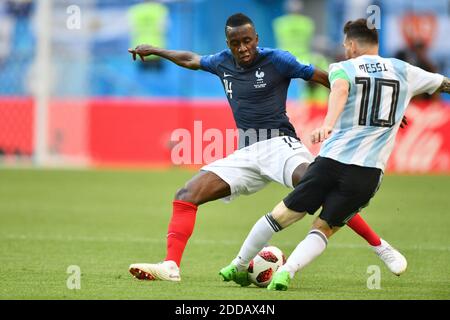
(354, 187)
(336, 209)
(392, 258)
(356, 223)
(203, 187)
(306, 251)
(311, 193)
(225, 178)
(388, 254)
(259, 236)
(296, 166)
(280, 217)
(360, 226)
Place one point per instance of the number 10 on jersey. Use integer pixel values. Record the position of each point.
(377, 104)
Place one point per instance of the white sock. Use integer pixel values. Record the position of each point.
(258, 237)
(306, 251)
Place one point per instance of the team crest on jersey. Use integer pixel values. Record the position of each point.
(259, 79)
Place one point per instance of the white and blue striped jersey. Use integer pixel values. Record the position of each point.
(380, 91)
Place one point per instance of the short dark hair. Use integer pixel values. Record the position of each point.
(237, 20)
(359, 30)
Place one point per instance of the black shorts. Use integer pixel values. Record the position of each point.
(341, 189)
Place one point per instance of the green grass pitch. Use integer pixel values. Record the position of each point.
(102, 220)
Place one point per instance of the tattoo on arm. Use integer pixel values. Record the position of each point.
(445, 86)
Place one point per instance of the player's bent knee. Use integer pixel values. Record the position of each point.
(324, 227)
(188, 195)
(285, 216)
(183, 194)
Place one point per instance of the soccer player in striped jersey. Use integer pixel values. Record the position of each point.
(369, 96)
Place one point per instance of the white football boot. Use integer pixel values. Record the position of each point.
(167, 270)
(393, 259)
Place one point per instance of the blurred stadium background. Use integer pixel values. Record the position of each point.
(71, 96)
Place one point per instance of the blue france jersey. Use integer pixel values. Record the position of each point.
(380, 91)
(257, 93)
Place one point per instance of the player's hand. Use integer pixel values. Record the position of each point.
(320, 134)
(142, 51)
(404, 122)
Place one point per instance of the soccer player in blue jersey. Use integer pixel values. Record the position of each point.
(369, 96)
(256, 81)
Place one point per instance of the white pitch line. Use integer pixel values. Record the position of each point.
(69, 238)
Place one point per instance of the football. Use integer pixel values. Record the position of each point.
(264, 265)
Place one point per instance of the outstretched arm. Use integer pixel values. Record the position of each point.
(445, 86)
(336, 103)
(185, 59)
(320, 77)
